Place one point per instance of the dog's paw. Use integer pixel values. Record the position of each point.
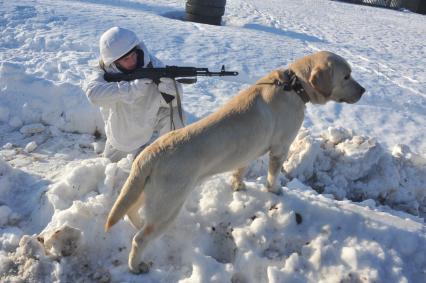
(238, 186)
(139, 268)
(275, 190)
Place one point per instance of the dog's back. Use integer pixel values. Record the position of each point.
(231, 130)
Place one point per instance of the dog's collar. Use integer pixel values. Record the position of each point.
(291, 82)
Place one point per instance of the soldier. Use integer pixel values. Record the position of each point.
(134, 112)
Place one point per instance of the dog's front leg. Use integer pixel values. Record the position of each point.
(275, 164)
(237, 181)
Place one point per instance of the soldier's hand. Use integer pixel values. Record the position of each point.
(167, 85)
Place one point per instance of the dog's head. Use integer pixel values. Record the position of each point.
(327, 77)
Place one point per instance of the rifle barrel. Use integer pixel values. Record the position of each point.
(220, 74)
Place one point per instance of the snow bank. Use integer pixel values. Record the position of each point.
(28, 99)
(75, 206)
(358, 168)
(10, 182)
(223, 236)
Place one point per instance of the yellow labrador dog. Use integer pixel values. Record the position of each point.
(264, 118)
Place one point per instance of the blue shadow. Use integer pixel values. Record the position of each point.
(291, 34)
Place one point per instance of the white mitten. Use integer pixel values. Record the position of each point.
(135, 89)
(167, 85)
(141, 84)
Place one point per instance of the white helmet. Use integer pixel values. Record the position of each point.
(116, 42)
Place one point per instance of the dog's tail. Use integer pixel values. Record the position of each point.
(131, 191)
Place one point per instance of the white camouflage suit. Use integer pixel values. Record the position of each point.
(134, 112)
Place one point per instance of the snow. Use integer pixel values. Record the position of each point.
(359, 168)
(5, 212)
(353, 199)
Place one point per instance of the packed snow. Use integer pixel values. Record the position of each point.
(353, 199)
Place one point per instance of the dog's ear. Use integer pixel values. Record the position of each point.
(320, 80)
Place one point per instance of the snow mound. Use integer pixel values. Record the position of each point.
(359, 168)
(38, 100)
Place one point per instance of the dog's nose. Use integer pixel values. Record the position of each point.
(362, 90)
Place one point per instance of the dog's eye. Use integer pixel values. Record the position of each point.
(347, 77)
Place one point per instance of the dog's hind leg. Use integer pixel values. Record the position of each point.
(237, 181)
(133, 213)
(143, 237)
(275, 164)
(139, 242)
(135, 218)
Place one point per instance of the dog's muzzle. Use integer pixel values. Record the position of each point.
(355, 98)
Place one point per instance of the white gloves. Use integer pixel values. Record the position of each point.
(142, 83)
(141, 87)
(134, 90)
(167, 85)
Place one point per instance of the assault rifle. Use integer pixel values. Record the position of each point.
(172, 72)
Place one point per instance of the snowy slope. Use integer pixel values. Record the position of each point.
(354, 195)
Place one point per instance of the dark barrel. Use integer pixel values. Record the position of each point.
(205, 11)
